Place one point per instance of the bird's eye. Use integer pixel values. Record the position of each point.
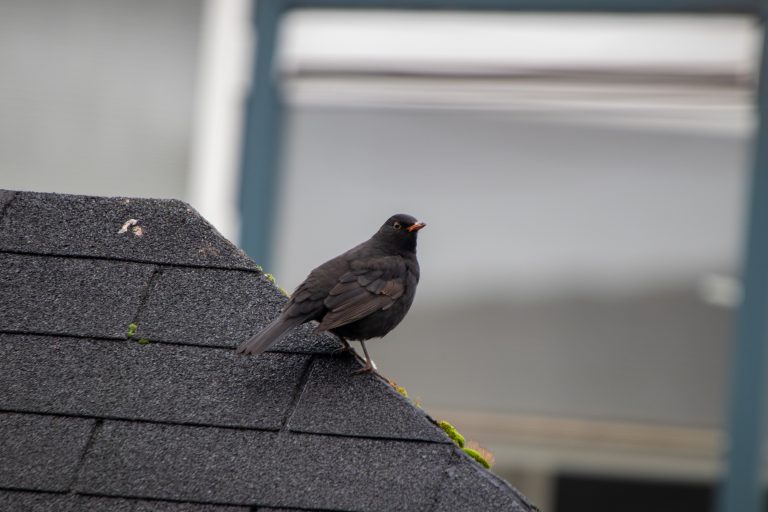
(397, 225)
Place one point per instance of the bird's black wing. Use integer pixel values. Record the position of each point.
(369, 286)
(305, 304)
(308, 297)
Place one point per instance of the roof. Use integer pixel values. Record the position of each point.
(96, 416)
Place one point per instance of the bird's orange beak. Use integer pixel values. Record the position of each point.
(415, 227)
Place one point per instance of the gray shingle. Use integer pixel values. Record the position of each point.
(155, 506)
(41, 452)
(171, 231)
(269, 509)
(218, 307)
(265, 468)
(6, 196)
(334, 402)
(468, 488)
(69, 296)
(25, 501)
(153, 382)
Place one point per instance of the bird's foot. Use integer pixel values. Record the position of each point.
(342, 351)
(367, 368)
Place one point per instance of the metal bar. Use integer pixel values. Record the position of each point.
(741, 491)
(261, 144)
(710, 6)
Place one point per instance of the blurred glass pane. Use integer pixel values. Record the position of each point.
(583, 181)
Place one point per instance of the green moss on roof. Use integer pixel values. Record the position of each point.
(454, 434)
(271, 279)
(476, 455)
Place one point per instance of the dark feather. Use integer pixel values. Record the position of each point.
(270, 335)
(353, 311)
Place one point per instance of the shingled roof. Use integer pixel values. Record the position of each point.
(95, 416)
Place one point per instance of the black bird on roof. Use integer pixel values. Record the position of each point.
(360, 294)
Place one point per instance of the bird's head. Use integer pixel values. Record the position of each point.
(400, 230)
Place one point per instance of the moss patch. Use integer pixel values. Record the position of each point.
(482, 456)
(399, 389)
(476, 455)
(452, 433)
(271, 279)
(132, 330)
(143, 341)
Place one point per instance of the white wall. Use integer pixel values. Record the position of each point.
(96, 96)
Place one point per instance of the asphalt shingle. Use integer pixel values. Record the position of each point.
(269, 509)
(266, 468)
(68, 295)
(218, 307)
(368, 407)
(90, 419)
(6, 196)
(469, 488)
(168, 231)
(123, 379)
(41, 452)
(24, 501)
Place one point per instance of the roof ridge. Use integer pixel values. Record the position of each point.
(91, 196)
(144, 230)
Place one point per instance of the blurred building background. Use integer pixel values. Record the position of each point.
(583, 178)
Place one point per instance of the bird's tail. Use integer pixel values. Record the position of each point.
(271, 334)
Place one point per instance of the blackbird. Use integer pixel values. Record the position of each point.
(361, 294)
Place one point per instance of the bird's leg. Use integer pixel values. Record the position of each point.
(368, 368)
(346, 348)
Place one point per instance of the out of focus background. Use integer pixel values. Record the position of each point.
(583, 178)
